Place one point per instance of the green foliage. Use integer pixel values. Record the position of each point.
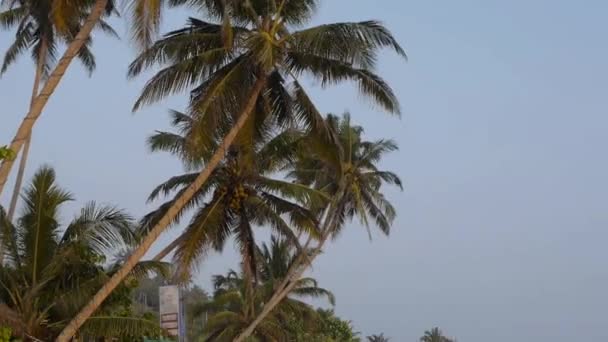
(43, 25)
(234, 305)
(5, 334)
(220, 57)
(50, 270)
(239, 196)
(6, 153)
(329, 329)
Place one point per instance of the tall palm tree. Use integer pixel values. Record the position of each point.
(229, 312)
(349, 173)
(50, 271)
(378, 338)
(146, 15)
(250, 51)
(434, 335)
(65, 14)
(38, 30)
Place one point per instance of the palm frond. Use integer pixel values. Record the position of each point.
(146, 17)
(209, 228)
(315, 293)
(23, 40)
(42, 200)
(351, 42)
(333, 71)
(9, 239)
(115, 326)
(177, 77)
(12, 16)
(103, 229)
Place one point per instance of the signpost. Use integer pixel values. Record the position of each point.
(171, 311)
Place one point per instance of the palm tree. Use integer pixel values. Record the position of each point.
(41, 32)
(348, 172)
(434, 335)
(68, 17)
(242, 194)
(229, 310)
(252, 51)
(378, 338)
(50, 272)
(146, 15)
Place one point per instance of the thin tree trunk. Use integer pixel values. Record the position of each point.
(25, 129)
(160, 256)
(26, 147)
(164, 222)
(296, 272)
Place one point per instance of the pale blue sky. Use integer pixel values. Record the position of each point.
(503, 224)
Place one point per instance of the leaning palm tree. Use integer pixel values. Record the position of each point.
(349, 173)
(73, 19)
(39, 31)
(146, 15)
(434, 335)
(229, 311)
(252, 51)
(50, 271)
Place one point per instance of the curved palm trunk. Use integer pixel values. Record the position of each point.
(86, 312)
(26, 147)
(25, 129)
(298, 268)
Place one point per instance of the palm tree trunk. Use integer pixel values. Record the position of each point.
(25, 129)
(26, 147)
(296, 272)
(160, 256)
(164, 222)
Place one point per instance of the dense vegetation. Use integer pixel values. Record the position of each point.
(258, 155)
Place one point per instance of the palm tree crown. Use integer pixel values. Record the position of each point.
(434, 335)
(378, 338)
(239, 194)
(245, 42)
(348, 171)
(41, 25)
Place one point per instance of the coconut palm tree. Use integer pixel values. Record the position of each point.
(50, 271)
(146, 15)
(39, 31)
(252, 50)
(72, 19)
(240, 193)
(434, 335)
(349, 173)
(378, 338)
(229, 310)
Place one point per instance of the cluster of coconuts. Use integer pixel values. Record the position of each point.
(236, 195)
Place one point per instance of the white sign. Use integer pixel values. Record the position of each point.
(169, 297)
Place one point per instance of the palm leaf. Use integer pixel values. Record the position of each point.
(113, 326)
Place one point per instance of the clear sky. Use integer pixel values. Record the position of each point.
(502, 227)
